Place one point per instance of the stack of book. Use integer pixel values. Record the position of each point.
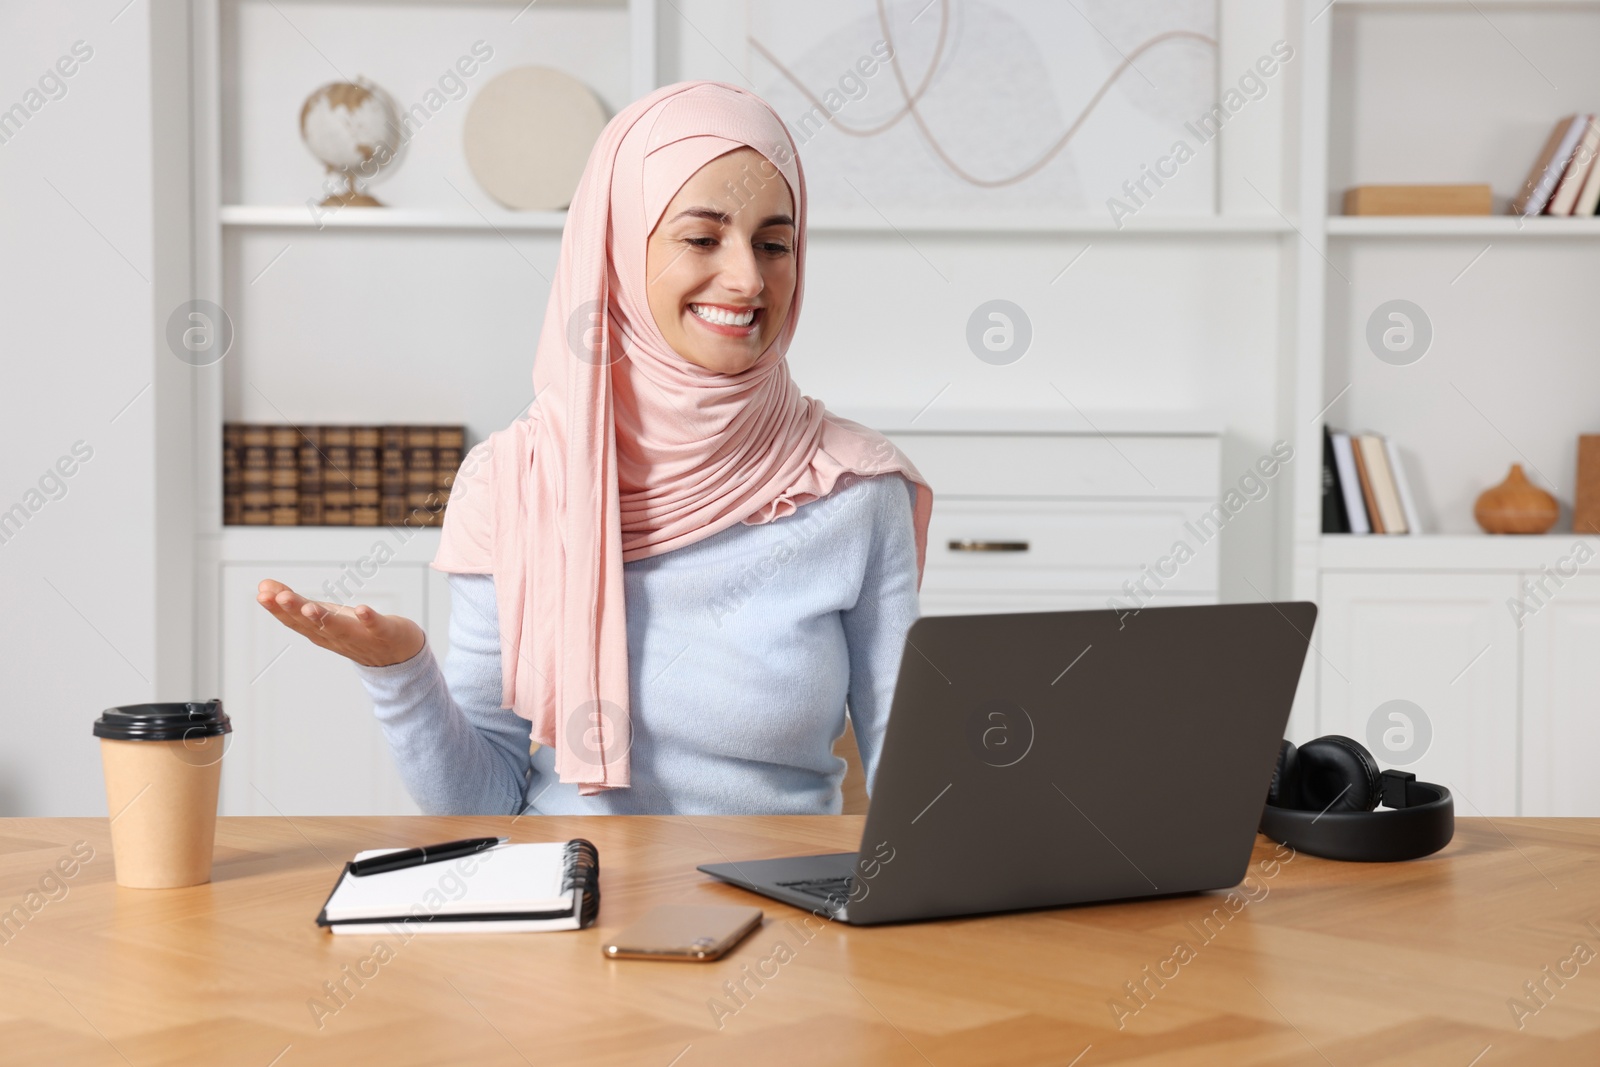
(338, 475)
(1364, 488)
(1565, 179)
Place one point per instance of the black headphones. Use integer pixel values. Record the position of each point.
(1321, 798)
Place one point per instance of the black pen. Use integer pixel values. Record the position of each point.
(413, 857)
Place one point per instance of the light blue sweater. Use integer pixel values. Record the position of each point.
(744, 650)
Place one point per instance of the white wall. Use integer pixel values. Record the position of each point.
(92, 243)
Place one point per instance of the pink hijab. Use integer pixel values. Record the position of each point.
(629, 450)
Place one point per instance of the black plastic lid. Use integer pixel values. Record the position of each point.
(164, 722)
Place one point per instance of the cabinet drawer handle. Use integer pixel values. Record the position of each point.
(988, 546)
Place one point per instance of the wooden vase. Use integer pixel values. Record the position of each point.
(1516, 506)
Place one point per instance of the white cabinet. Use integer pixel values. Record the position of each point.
(1494, 638)
(1446, 644)
(1065, 546)
(1030, 518)
(1561, 700)
(305, 741)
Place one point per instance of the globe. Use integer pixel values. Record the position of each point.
(354, 129)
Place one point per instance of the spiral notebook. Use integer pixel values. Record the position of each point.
(545, 885)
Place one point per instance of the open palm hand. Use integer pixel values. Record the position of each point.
(358, 633)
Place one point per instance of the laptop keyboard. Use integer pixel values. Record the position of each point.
(831, 889)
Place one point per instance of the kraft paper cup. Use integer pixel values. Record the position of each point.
(163, 766)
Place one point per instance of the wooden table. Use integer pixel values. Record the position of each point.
(1318, 963)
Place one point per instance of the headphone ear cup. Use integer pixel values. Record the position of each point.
(1282, 791)
(1338, 774)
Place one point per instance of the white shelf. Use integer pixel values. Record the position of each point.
(527, 3)
(1053, 224)
(1501, 5)
(322, 544)
(299, 216)
(1501, 226)
(1449, 552)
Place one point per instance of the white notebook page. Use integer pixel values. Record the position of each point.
(507, 878)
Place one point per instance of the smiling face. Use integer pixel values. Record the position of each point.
(721, 263)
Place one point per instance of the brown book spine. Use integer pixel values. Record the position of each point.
(285, 452)
(1383, 487)
(232, 474)
(365, 495)
(392, 475)
(1365, 478)
(1536, 190)
(255, 476)
(338, 475)
(1565, 196)
(421, 476)
(1586, 505)
(310, 476)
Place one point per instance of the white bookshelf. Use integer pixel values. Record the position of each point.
(253, 62)
(1492, 5)
(1362, 120)
(610, 44)
(1499, 227)
(253, 221)
(1461, 553)
(297, 217)
(1482, 632)
(1093, 225)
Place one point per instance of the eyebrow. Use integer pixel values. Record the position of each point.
(722, 217)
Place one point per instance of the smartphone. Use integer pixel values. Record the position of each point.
(684, 932)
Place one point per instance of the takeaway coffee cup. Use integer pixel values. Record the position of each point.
(163, 764)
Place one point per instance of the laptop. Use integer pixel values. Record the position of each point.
(1042, 759)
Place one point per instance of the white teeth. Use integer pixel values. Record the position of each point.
(721, 317)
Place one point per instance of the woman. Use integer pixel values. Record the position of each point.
(673, 575)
